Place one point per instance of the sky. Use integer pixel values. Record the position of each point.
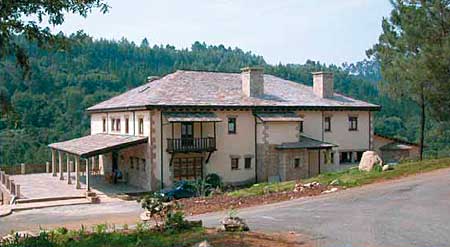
(283, 31)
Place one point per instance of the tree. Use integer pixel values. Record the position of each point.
(25, 18)
(414, 54)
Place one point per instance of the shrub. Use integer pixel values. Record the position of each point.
(158, 208)
(214, 180)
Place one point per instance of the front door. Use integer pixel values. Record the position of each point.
(187, 133)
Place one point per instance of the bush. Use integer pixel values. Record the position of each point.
(160, 210)
(214, 180)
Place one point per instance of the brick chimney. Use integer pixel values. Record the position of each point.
(252, 81)
(323, 84)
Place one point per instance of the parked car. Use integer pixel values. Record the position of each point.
(182, 189)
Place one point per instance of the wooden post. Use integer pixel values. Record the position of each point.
(47, 167)
(88, 186)
(22, 168)
(53, 162)
(77, 172)
(60, 159)
(69, 180)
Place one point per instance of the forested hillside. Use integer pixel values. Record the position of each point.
(49, 105)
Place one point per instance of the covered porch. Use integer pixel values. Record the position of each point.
(79, 164)
(304, 158)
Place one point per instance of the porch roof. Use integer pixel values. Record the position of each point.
(96, 144)
(306, 143)
(192, 117)
(279, 117)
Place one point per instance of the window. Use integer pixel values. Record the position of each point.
(127, 125)
(345, 157)
(231, 125)
(248, 163)
(327, 124)
(353, 123)
(118, 124)
(143, 164)
(131, 162)
(141, 126)
(113, 124)
(137, 163)
(234, 163)
(296, 163)
(300, 127)
(104, 124)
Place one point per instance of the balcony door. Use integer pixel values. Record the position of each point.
(187, 133)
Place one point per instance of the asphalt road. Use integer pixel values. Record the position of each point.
(413, 211)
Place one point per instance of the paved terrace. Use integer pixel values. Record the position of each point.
(44, 185)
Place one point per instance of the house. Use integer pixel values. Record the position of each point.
(394, 150)
(246, 127)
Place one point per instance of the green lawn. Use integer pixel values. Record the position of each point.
(349, 178)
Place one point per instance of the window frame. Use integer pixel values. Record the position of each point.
(140, 125)
(127, 125)
(232, 120)
(105, 128)
(352, 123)
(297, 162)
(327, 124)
(118, 124)
(234, 164)
(248, 162)
(113, 124)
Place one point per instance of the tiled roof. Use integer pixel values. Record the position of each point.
(306, 142)
(198, 88)
(279, 117)
(97, 144)
(192, 117)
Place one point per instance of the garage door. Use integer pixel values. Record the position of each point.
(187, 168)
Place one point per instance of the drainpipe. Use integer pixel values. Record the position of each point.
(162, 147)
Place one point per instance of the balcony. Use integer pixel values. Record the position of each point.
(188, 145)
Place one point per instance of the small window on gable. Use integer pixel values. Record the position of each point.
(113, 124)
(234, 163)
(353, 123)
(231, 125)
(327, 124)
(248, 163)
(296, 163)
(118, 124)
(104, 124)
(127, 125)
(141, 126)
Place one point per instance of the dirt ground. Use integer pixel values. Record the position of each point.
(255, 239)
(193, 206)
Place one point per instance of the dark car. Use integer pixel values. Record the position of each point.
(182, 189)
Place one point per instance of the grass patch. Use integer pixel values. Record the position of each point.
(114, 239)
(348, 178)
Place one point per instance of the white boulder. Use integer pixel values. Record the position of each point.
(369, 160)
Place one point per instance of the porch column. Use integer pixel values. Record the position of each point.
(69, 180)
(93, 163)
(60, 159)
(53, 162)
(88, 186)
(77, 172)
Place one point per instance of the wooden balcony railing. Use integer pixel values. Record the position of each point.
(186, 145)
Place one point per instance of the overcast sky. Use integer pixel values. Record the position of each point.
(286, 31)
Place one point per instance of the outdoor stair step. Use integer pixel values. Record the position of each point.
(48, 204)
(48, 199)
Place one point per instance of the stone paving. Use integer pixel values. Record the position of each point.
(44, 185)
